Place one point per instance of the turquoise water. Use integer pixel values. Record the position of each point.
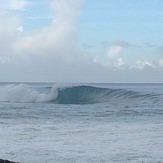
(47, 123)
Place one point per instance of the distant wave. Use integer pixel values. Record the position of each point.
(78, 94)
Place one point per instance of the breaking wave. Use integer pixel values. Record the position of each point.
(81, 94)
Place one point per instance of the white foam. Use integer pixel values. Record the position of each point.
(24, 93)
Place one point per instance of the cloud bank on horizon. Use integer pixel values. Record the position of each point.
(60, 49)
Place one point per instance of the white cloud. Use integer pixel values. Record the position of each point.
(57, 41)
(160, 62)
(51, 54)
(20, 29)
(8, 35)
(111, 58)
(114, 51)
(41, 54)
(143, 64)
(120, 62)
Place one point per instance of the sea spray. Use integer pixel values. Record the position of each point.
(21, 93)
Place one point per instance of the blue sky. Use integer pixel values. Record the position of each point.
(117, 40)
(136, 21)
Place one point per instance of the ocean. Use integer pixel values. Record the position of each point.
(80, 123)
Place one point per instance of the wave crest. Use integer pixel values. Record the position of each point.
(83, 94)
(22, 93)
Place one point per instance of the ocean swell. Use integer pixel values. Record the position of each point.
(81, 94)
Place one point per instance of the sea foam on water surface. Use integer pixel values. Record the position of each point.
(42, 123)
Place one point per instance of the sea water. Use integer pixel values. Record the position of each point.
(77, 123)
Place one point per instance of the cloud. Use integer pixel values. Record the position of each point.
(42, 54)
(111, 58)
(160, 56)
(52, 53)
(115, 55)
(20, 28)
(59, 39)
(9, 33)
(143, 64)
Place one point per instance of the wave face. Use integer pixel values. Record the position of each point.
(80, 95)
(83, 94)
(90, 95)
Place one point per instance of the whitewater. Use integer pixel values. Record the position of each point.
(76, 123)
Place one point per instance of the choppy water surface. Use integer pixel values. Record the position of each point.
(47, 123)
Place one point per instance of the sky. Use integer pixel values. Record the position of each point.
(84, 41)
